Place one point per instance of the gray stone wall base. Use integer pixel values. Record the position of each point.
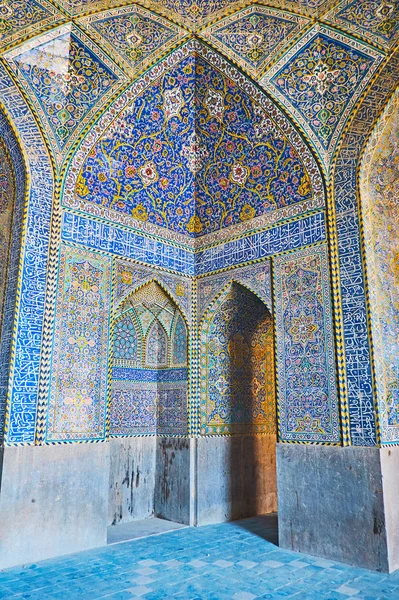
(131, 479)
(236, 477)
(340, 503)
(53, 501)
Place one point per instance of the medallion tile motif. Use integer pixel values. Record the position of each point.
(21, 18)
(308, 401)
(134, 35)
(254, 36)
(67, 78)
(377, 20)
(320, 79)
(237, 366)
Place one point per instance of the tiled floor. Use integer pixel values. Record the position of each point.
(138, 529)
(217, 562)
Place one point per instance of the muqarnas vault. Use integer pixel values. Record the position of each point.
(198, 221)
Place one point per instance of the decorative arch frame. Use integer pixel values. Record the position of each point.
(114, 317)
(279, 120)
(203, 330)
(31, 339)
(356, 366)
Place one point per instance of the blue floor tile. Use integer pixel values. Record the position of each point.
(119, 573)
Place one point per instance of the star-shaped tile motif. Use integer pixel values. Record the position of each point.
(67, 78)
(254, 35)
(134, 35)
(319, 80)
(377, 20)
(20, 18)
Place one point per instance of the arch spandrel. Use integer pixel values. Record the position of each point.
(196, 151)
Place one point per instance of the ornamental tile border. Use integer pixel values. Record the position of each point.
(26, 345)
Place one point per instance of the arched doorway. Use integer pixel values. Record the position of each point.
(238, 409)
(148, 406)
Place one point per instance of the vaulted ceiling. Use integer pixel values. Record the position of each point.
(78, 60)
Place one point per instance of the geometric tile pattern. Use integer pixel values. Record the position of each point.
(133, 35)
(375, 20)
(149, 365)
(307, 391)
(237, 366)
(20, 18)
(359, 378)
(67, 78)
(379, 192)
(254, 36)
(80, 347)
(319, 80)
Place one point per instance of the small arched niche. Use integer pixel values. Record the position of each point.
(238, 407)
(149, 365)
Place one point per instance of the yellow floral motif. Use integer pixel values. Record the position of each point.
(126, 277)
(303, 329)
(81, 187)
(180, 291)
(140, 212)
(304, 188)
(194, 225)
(247, 212)
(238, 350)
(308, 424)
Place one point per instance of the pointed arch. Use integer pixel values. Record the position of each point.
(156, 349)
(261, 121)
(149, 397)
(179, 342)
(237, 365)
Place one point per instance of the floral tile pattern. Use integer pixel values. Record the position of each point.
(319, 79)
(21, 18)
(194, 158)
(254, 36)
(67, 78)
(134, 35)
(308, 399)
(377, 20)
